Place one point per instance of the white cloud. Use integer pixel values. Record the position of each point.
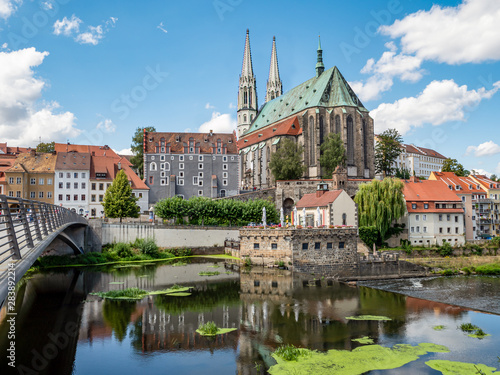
(93, 35)
(47, 5)
(162, 27)
(481, 172)
(390, 65)
(232, 106)
(440, 102)
(220, 123)
(23, 116)
(4, 46)
(454, 35)
(106, 125)
(209, 106)
(67, 26)
(8, 7)
(125, 151)
(484, 149)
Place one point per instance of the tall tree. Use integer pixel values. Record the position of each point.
(387, 149)
(380, 203)
(452, 165)
(137, 148)
(46, 147)
(118, 199)
(403, 173)
(286, 162)
(332, 154)
(494, 177)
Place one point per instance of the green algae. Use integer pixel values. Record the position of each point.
(134, 294)
(360, 360)
(478, 335)
(220, 331)
(438, 328)
(364, 340)
(368, 317)
(460, 368)
(116, 283)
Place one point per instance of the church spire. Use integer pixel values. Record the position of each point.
(274, 84)
(320, 68)
(247, 93)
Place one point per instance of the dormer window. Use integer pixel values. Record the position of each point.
(470, 187)
(450, 187)
(413, 206)
(457, 187)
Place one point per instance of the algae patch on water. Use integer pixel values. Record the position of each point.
(211, 329)
(360, 360)
(138, 294)
(220, 331)
(368, 317)
(438, 328)
(460, 368)
(364, 340)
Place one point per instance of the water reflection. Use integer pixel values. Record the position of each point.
(268, 307)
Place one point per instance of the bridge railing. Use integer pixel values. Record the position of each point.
(24, 222)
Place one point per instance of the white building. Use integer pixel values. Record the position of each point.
(71, 188)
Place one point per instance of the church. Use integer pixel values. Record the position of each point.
(305, 114)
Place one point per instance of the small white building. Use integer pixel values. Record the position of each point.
(327, 208)
(72, 176)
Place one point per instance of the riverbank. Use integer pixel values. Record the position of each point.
(482, 265)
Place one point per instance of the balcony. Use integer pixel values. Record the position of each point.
(484, 221)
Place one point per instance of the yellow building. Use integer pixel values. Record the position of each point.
(32, 177)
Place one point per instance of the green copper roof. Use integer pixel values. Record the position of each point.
(330, 89)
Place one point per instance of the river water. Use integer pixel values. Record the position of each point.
(62, 329)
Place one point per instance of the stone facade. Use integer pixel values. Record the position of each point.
(320, 250)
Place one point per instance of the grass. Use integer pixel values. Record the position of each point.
(468, 327)
(288, 352)
(473, 330)
(484, 265)
(438, 328)
(137, 294)
(211, 329)
(209, 273)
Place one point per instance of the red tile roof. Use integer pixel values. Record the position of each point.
(412, 149)
(431, 192)
(289, 126)
(311, 200)
(4, 149)
(73, 161)
(109, 165)
(89, 149)
(206, 142)
(451, 179)
(34, 162)
(485, 182)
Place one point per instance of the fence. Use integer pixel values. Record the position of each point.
(24, 222)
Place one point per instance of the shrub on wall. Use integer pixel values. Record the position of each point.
(369, 235)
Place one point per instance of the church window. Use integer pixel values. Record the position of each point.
(365, 144)
(152, 167)
(337, 124)
(331, 124)
(312, 144)
(350, 140)
(321, 124)
(251, 118)
(249, 96)
(244, 118)
(245, 95)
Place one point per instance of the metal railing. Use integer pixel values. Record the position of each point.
(23, 223)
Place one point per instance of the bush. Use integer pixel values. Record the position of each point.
(181, 252)
(288, 352)
(369, 235)
(209, 328)
(445, 249)
(123, 250)
(146, 247)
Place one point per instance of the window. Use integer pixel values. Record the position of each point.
(181, 174)
(412, 229)
(68, 197)
(305, 246)
(164, 181)
(224, 158)
(413, 205)
(92, 198)
(49, 181)
(200, 166)
(426, 206)
(448, 217)
(108, 185)
(68, 175)
(200, 182)
(93, 185)
(424, 217)
(418, 229)
(11, 180)
(83, 174)
(317, 245)
(75, 175)
(181, 157)
(75, 197)
(162, 158)
(49, 194)
(181, 165)
(68, 185)
(151, 180)
(224, 167)
(425, 229)
(32, 181)
(101, 186)
(41, 181)
(152, 157)
(200, 158)
(448, 230)
(437, 205)
(440, 217)
(200, 193)
(473, 218)
(152, 167)
(456, 230)
(329, 245)
(222, 193)
(92, 212)
(344, 219)
(18, 180)
(256, 246)
(75, 185)
(200, 174)
(456, 219)
(224, 174)
(83, 185)
(180, 181)
(18, 194)
(61, 185)
(61, 175)
(191, 157)
(32, 194)
(417, 217)
(440, 230)
(195, 180)
(11, 193)
(224, 182)
(274, 246)
(341, 245)
(60, 197)
(140, 195)
(83, 197)
(100, 197)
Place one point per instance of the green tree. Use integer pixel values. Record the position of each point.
(332, 154)
(137, 148)
(46, 147)
(402, 173)
(452, 165)
(387, 149)
(494, 177)
(286, 162)
(118, 199)
(380, 203)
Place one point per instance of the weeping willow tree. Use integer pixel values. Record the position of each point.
(380, 203)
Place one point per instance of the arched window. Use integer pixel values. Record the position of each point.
(337, 124)
(244, 118)
(167, 166)
(245, 95)
(152, 166)
(331, 124)
(249, 96)
(350, 141)
(251, 118)
(344, 219)
(321, 130)
(365, 144)
(312, 144)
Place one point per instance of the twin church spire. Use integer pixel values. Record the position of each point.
(247, 93)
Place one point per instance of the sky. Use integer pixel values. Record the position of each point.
(92, 72)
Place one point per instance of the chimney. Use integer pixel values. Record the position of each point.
(414, 179)
(321, 189)
(211, 133)
(33, 152)
(119, 165)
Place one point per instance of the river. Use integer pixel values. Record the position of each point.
(61, 329)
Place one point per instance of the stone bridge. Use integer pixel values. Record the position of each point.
(29, 228)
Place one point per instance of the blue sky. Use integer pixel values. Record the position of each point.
(93, 71)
